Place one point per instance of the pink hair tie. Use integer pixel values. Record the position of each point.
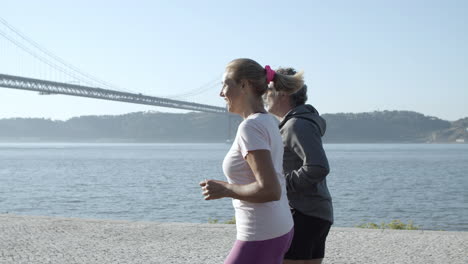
(270, 74)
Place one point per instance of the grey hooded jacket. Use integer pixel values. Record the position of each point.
(305, 163)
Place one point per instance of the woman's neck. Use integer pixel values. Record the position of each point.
(253, 108)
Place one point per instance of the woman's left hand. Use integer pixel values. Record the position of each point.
(214, 189)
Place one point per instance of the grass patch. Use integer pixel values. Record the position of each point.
(394, 224)
(216, 221)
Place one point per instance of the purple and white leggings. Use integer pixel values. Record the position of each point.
(269, 251)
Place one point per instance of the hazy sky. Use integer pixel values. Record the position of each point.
(357, 56)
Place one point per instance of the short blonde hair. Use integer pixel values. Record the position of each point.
(299, 97)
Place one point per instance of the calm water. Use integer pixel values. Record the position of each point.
(427, 184)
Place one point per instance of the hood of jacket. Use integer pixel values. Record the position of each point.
(306, 112)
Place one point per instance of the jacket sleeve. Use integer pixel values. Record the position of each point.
(304, 139)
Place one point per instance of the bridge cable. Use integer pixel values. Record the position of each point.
(60, 60)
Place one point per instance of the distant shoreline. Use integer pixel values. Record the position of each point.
(384, 127)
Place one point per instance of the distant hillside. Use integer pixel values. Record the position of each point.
(373, 127)
(133, 127)
(458, 131)
(382, 126)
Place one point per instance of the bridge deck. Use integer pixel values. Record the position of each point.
(49, 87)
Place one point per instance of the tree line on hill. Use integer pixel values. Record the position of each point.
(371, 127)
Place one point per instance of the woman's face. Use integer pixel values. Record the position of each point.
(231, 92)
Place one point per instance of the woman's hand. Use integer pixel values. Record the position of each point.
(213, 189)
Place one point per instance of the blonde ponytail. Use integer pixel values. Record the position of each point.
(257, 75)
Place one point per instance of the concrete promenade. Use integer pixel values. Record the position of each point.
(31, 239)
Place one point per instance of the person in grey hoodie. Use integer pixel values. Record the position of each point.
(305, 167)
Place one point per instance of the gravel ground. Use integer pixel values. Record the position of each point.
(31, 239)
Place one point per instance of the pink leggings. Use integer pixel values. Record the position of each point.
(269, 251)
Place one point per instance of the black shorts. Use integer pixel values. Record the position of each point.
(309, 238)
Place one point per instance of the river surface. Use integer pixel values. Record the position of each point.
(423, 183)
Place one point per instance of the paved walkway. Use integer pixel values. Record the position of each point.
(28, 239)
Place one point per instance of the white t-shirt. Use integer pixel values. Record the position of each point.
(258, 221)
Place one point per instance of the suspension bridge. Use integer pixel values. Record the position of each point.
(80, 83)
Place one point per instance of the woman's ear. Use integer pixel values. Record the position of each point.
(244, 85)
